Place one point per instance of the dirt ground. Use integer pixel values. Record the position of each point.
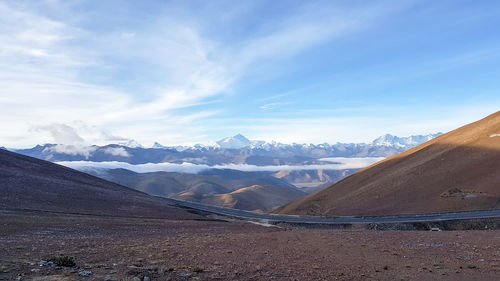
(114, 248)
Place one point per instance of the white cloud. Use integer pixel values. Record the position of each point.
(61, 133)
(353, 162)
(41, 66)
(57, 70)
(77, 133)
(117, 151)
(83, 150)
(340, 164)
(139, 168)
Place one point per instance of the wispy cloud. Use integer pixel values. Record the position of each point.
(75, 74)
(61, 133)
(273, 105)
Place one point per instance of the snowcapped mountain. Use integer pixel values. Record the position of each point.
(235, 142)
(390, 140)
(158, 145)
(237, 150)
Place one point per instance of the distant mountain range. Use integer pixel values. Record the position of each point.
(232, 172)
(237, 149)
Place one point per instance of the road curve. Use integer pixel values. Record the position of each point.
(273, 218)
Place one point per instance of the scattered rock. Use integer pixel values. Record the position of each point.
(136, 278)
(47, 263)
(186, 275)
(85, 273)
(146, 278)
(133, 271)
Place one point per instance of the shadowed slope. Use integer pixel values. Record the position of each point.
(29, 183)
(456, 171)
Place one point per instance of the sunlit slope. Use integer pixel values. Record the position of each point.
(252, 198)
(456, 171)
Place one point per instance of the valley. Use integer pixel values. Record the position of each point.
(233, 172)
(111, 232)
(167, 140)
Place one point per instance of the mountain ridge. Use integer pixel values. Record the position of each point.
(254, 152)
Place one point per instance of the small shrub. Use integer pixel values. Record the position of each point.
(63, 261)
(386, 267)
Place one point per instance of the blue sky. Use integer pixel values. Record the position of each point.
(184, 72)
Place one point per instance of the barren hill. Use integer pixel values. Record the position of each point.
(33, 184)
(228, 188)
(456, 171)
(251, 198)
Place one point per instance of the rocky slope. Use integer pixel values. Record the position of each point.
(456, 171)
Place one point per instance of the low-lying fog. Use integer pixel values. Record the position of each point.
(337, 163)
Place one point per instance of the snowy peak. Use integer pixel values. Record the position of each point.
(158, 145)
(130, 143)
(411, 141)
(235, 142)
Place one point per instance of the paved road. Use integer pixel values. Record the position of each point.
(271, 218)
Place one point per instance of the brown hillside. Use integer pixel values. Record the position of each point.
(456, 171)
(29, 183)
(252, 198)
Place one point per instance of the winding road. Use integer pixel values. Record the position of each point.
(274, 218)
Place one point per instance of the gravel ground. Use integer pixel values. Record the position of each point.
(114, 248)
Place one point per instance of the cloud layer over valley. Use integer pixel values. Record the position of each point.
(340, 163)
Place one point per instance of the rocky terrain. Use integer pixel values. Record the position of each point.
(117, 248)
